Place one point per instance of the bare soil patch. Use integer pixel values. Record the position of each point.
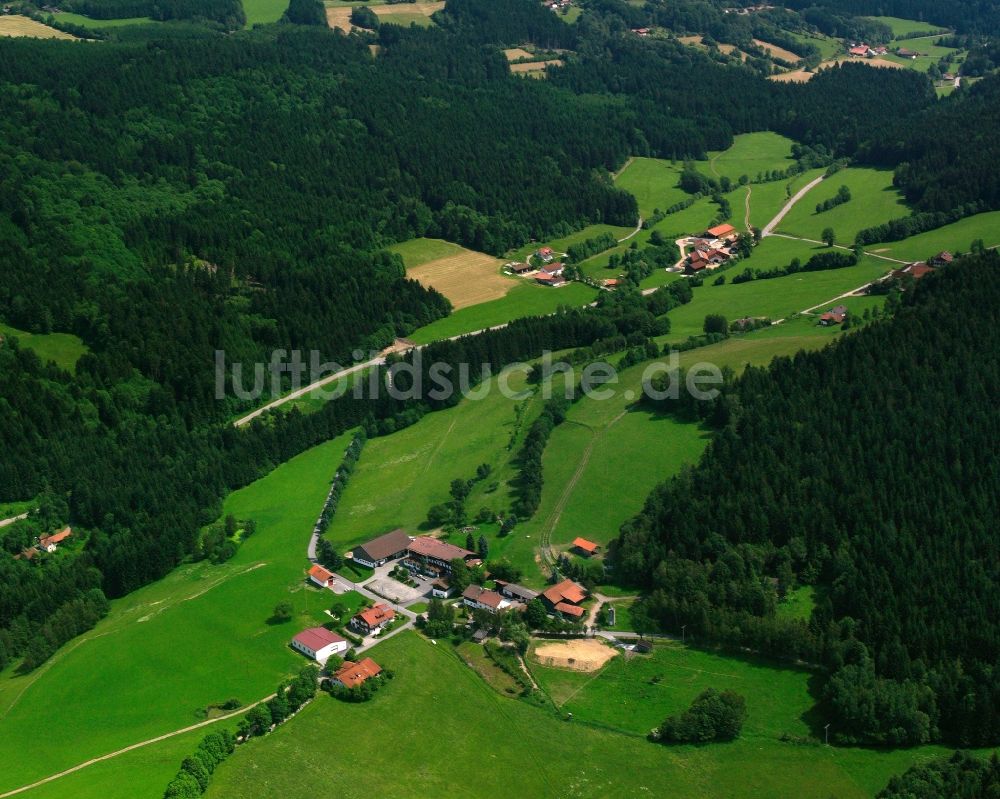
(582, 654)
(516, 53)
(778, 52)
(536, 66)
(468, 278)
(16, 25)
(690, 39)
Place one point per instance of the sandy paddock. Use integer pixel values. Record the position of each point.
(578, 654)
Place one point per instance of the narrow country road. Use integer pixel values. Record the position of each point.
(746, 204)
(770, 226)
(133, 747)
(638, 227)
(840, 247)
(12, 519)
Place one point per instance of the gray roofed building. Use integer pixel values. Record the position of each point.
(384, 548)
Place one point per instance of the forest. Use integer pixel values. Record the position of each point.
(811, 480)
(171, 191)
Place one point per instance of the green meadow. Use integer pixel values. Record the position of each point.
(487, 744)
(904, 27)
(766, 199)
(170, 650)
(406, 19)
(527, 299)
(90, 22)
(64, 349)
(421, 251)
(751, 153)
(564, 243)
(653, 183)
(956, 237)
(263, 11)
(873, 200)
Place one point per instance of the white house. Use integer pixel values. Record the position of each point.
(320, 576)
(477, 597)
(319, 644)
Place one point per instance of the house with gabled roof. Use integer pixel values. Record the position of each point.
(373, 619)
(319, 644)
(51, 542)
(352, 674)
(381, 550)
(585, 547)
(565, 597)
(479, 598)
(321, 576)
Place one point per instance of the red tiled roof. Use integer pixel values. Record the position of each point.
(379, 614)
(861, 49)
(720, 230)
(569, 610)
(585, 545)
(57, 538)
(433, 548)
(353, 674)
(320, 574)
(315, 638)
(567, 591)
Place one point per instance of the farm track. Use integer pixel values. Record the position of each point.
(12, 519)
(770, 226)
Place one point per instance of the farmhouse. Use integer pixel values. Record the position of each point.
(479, 598)
(903, 52)
(860, 50)
(834, 316)
(320, 576)
(319, 644)
(545, 254)
(554, 269)
(611, 283)
(550, 280)
(519, 268)
(351, 675)
(943, 258)
(432, 557)
(565, 598)
(516, 592)
(382, 549)
(915, 270)
(372, 619)
(50, 542)
(585, 547)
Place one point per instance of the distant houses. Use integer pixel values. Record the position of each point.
(712, 248)
(321, 576)
(319, 644)
(943, 258)
(862, 50)
(835, 316)
(351, 674)
(373, 619)
(904, 52)
(382, 549)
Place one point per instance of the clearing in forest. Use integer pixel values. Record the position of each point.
(464, 276)
(398, 14)
(16, 25)
(581, 654)
(517, 53)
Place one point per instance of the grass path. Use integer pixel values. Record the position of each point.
(560, 506)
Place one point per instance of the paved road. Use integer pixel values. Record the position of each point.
(788, 206)
(12, 519)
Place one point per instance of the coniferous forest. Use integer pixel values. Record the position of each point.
(172, 191)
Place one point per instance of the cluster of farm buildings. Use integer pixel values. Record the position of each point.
(550, 273)
(711, 249)
(433, 559)
(45, 543)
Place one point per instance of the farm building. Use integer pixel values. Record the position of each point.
(320, 576)
(859, 50)
(51, 542)
(479, 598)
(943, 258)
(554, 269)
(545, 254)
(722, 232)
(382, 549)
(440, 589)
(351, 675)
(915, 270)
(834, 316)
(519, 268)
(372, 619)
(432, 557)
(565, 597)
(585, 547)
(515, 591)
(319, 644)
(546, 279)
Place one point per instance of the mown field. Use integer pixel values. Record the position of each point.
(168, 651)
(873, 200)
(64, 349)
(16, 25)
(956, 237)
(90, 22)
(488, 745)
(904, 27)
(525, 299)
(464, 276)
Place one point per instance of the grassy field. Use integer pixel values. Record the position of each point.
(464, 276)
(16, 25)
(653, 183)
(903, 27)
(562, 244)
(873, 200)
(956, 237)
(526, 299)
(338, 15)
(89, 22)
(64, 349)
(798, 604)
(168, 651)
(489, 745)
(751, 153)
